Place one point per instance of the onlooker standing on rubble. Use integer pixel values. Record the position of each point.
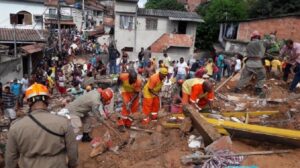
(253, 66)
(147, 56)
(16, 89)
(181, 69)
(41, 139)
(61, 83)
(197, 92)
(151, 101)
(220, 64)
(292, 51)
(113, 55)
(9, 104)
(93, 101)
(130, 87)
(141, 55)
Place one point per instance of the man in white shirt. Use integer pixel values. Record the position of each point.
(181, 69)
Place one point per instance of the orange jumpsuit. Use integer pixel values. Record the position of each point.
(128, 91)
(150, 101)
(192, 89)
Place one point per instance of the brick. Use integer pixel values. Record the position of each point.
(286, 28)
(222, 143)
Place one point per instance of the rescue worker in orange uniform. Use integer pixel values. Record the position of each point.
(131, 86)
(198, 92)
(151, 102)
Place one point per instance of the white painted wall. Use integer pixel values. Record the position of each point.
(77, 17)
(147, 37)
(123, 37)
(7, 7)
(125, 7)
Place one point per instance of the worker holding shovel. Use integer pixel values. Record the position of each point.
(130, 88)
(151, 101)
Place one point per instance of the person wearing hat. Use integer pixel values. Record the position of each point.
(131, 86)
(41, 139)
(255, 51)
(93, 101)
(151, 101)
(198, 92)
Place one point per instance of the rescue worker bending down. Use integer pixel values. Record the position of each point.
(130, 89)
(93, 101)
(151, 102)
(41, 139)
(198, 92)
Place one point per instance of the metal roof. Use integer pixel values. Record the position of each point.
(171, 14)
(28, 35)
(135, 1)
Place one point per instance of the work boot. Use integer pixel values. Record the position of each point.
(86, 137)
(121, 128)
(260, 93)
(237, 90)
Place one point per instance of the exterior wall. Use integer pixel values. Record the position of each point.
(11, 69)
(235, 47)
(147, 37)
(9, 7)
(123, 38)
(125, 7)
(77, 17)
(287, 28)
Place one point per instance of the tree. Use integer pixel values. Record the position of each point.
(214, 13)
(265, 8)
(164, 4)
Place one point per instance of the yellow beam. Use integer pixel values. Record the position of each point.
(284, 133)
(243, 114)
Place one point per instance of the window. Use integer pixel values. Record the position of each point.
(38, 19)
(22, 17)
(97, 13)
(52, 11)
(151, 24)
(126, 22)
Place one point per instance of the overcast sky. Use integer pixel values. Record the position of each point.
(142, 3)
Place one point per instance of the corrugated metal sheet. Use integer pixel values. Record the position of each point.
(29, 35)
(172, 14)
(29, 49)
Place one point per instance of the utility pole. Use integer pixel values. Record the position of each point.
(83, 15)
(59, 28)
(15, 41)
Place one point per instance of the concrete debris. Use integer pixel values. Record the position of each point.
(223, 143)
(192, 158)
(195, 142)
(208, 132)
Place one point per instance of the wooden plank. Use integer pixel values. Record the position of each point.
(207, 131)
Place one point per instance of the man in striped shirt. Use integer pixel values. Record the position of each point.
(9, 103)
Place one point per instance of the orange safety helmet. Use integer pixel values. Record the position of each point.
(106, 95)
(36, 92)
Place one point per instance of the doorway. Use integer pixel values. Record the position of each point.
(182, 27)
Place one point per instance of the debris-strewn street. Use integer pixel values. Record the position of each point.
(149, 84)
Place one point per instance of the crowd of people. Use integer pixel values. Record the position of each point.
(146, 76)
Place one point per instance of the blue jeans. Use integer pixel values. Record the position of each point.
(146, 63)
(180, 76)
(296, 79)
(219, 74)
(113, 67)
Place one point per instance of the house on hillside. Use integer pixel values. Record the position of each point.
(235, 34)
(168, 31)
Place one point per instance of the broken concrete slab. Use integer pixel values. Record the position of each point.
(222, 143)
(208, 132)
